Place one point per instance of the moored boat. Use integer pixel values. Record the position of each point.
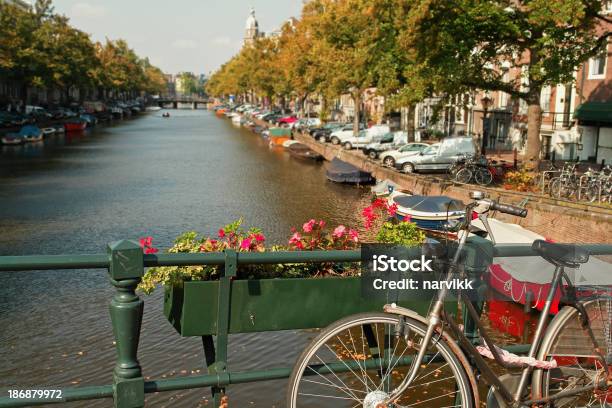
(303, 152)
(433, 213)
(340, 171)
(75, 125)
(278, 136)
(48, 131)
(288, 143)
(27, 133)
(384, 188)
(12, 139)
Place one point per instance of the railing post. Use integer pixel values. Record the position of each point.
(126, 270)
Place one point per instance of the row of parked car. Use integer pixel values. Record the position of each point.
(276, 116)
(392, 148)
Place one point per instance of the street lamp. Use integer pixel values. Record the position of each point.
(486, 102)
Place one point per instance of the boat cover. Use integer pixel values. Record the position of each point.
(29, 130)
(280, 132)
(343, 172)
(429, 204)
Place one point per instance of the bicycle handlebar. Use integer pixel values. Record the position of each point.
(509, 209)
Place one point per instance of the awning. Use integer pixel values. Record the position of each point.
(594, 112)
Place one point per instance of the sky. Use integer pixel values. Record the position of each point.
(177, 35)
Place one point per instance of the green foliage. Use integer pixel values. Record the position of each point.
(41, 48)
(400, 233)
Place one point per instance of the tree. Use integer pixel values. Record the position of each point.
(464, 45)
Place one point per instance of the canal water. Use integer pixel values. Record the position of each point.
(147, 176)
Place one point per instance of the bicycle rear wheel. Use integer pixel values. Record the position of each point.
(358, 361)
(578, 364)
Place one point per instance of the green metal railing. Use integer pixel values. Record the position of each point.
(126, 264)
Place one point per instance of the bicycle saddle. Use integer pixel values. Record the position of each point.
(560, 254)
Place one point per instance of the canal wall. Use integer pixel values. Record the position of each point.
(557, 220)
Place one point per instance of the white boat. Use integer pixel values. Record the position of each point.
(48, 131)
(236, 119)
(153, 108)
(433, 213)
(288, 143)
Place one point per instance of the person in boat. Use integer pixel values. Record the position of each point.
(166, 114)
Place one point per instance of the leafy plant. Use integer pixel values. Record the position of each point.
(400, 233)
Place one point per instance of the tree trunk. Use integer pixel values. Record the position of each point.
(534, 123)
(357, 111)
(410, 123)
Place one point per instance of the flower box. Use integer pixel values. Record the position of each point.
(274, 304)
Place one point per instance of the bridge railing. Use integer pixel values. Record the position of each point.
(126, 263)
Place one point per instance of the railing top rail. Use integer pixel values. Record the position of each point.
(101, 261)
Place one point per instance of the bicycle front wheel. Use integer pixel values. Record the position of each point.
(463, 176)
(358, 362)
(483, 177)
(578, 364)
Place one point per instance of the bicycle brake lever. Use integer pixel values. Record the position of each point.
(484, 218)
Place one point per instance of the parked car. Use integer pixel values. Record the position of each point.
(287, 120)
(345, 131)
(322, 133)
(305, 123)
(363, 138)
(385, 142)
(389, 157)
(439, 156)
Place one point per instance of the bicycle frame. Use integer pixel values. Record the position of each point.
(437, 318)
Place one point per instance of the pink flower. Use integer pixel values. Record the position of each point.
(339, 231)
(221, 233)
(354, 235)
(407, 218)
(295, 238)
(245, 243)
(321, 224)
(259, 237)
(307, 227)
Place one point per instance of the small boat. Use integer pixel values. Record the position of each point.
(166, 115)
(90, 120)
(237, 119)
(12, 139)
(342, 172)
(278, 136)
(430, 213)
(48, 131)
(28, 133)
(75, 125)
(301, 151)
(289, 143)
(384, 188)
(153, 108)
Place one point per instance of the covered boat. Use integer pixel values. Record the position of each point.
(436, 213)
(27, 133)
(301, 151)
(342, 172)
(278, 136)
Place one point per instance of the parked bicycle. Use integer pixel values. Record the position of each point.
(567, 184)
(597, 185)
(402, 359)
(476, 168)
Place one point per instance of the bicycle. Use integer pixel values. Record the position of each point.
(476, 168)
(567, 184)
(394, 359)
(598, 185)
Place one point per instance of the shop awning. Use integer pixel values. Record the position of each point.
(594, 112)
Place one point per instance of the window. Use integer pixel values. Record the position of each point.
(545, 100)
(597, 65)
(607, 7)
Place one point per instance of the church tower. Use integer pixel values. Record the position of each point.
(251, 29)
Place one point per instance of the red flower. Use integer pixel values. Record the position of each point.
(296, 238)
(259, 237)
(221, 233)
(146, 245)
(354, 235)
